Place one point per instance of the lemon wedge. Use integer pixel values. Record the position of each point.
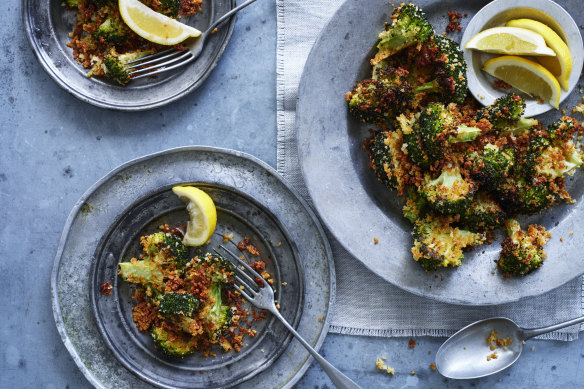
(154, 26)
(560, 65)
(509, 40)
(527, 76)
(203, 215)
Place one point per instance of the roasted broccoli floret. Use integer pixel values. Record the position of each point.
(553, 153)
(218, 315)
(562, 130)
(115, 65)
(484, 213)
(415, 205)
(175, 303)
(412, 140)
(506, 115)
(451, 74)
(219, 270)
(409, 26)
(491, 165)
(170, 7)
(112, 30)
(438, 244)
(522, 251)
(383, 158)
(374, 101)
(145, 272)
(525, 196)
(160, 251)
(172, 343)
(438, 128)
(450, 193)
(165, 248)
(71, 3)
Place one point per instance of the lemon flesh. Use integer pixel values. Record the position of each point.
(202, 212)
(527, 76)
(560, 65)
(510, 40)
(154, 26)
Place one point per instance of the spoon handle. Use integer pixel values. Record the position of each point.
(530, 333)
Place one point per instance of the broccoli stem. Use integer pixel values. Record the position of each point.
(431, 86)
(520, 126)
(465, 134)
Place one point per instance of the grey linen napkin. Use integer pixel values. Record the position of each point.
(385, 310)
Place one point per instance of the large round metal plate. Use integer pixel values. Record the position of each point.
(344, 190)
(135, 199)
(48, 25)
(239, 216)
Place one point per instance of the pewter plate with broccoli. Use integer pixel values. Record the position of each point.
(457, 201)
(461, 169)
(174, 317)
(85, 46)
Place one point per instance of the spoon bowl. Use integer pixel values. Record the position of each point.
(467, 354)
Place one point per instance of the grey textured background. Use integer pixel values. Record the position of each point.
(54, 147)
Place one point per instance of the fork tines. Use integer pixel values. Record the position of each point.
(242, 277)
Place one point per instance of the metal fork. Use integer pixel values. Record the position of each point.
(264, 298)
(173, 58)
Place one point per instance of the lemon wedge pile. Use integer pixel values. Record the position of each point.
(153, 26)
(202, 212)
(560, 65)
(544, 75)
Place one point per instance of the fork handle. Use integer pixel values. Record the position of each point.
(228, 15)
(340, 380)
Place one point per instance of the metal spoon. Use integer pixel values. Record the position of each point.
(464, 354)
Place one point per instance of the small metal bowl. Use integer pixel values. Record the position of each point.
(497, 13)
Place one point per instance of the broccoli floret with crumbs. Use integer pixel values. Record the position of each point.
(553, 153)
(449, 193)
(522, 251)
(216, 314)
(415, 205)
(175, 303)
(170, 7)
(491, 165)
(451, 74)
(172, 343)
(409, 26)
(506, 115)
(412, 140)
(437, 244)
(116, 65)
(438, 128)
(525, 196)
(165, 248)
(112, 30)
(382, 158)
(484, 213)
(71, 3)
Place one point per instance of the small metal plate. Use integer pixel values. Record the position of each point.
(48, 25)
(344, 189)
(132, 200)
(238, 215)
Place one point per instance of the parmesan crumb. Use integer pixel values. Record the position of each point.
(380, 365)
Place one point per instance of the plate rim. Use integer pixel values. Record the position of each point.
(324, 217)
(57, 314)
(25, 15)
